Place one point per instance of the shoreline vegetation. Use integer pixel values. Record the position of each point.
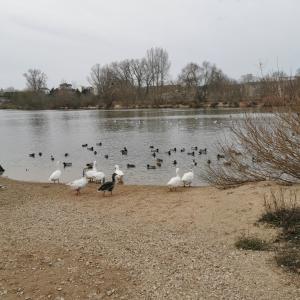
(142, 242)
(146, 83)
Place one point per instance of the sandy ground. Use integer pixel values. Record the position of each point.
(142, 243)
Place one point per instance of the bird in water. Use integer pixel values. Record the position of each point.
(108, 186)
(175, 182)
(79, 184)
(188, 178)
(54, 177)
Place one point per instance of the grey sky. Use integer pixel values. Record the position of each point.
(65, 38)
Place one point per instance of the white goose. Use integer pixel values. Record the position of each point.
(90, 174)
(79, 184)
(188, 178)
(55, 175)
(174, 182)
(99, 177)
(119, 173)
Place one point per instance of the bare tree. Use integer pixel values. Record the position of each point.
(36, 80)
(95, 78)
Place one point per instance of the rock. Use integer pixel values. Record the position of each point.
(110, 292)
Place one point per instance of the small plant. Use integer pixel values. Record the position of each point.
(251, 243)
(289, 259)
(280, 211)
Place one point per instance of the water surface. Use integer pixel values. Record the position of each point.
(57, 132)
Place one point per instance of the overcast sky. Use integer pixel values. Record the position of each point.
(64, 38)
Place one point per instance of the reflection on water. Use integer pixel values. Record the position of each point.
(57, 132)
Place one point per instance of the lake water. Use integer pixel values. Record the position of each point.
(57, 132)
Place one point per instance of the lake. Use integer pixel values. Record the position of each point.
(59, 132)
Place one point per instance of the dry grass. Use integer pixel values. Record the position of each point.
(251, 243)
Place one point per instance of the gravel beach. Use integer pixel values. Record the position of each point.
(143, 242)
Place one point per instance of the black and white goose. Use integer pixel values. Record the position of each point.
(108, 186)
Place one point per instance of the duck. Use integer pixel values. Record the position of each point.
(191, 153)
(175, 182)
(188, 178)
(99, 144)
(159, 160)
(153, 154)
(40, 153)
(84, 145)
(106, 156)
(67, 164)
(175, 162)
(89, 165)
(32, 155)
(169, 152)
(203, 151)
(95, 152)
(91, 173)
(158, 164)
(55, 175)
(182, 150)
(151, 147)
(52, 158)
(194, 148)
(130, 166)
(79, 184)
(90, 148)
(151, 167)
(66, 154)
(208, 161)
(124, 151)
(108, 186)
(119, 173)
(2, 170)
(195, 163)
(219, 156)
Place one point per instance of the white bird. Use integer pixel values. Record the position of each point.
(55, 175)
(90, 174)
(119, 173)
(188, 178)
(78, 184)
(99, 177)
(174, 182)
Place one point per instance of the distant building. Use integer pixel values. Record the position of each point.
(65, 86)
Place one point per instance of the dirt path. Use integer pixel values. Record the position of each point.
(141, 243)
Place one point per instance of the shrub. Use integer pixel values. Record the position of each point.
(251, 243)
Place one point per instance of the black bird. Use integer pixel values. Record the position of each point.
(151, 147)
(84, 145)
(108, 186)
(52, 158)
(158, 164)
(209, 161)
(182, 150)
(174, 149)
(195, 163)
(89, 165)
(169, 152)
(191, 153)
(219, 156)
(155, 150)
(32, 155)
(124, 151)
(106, 156)
(66, 154)
(194, 148)
(153, 154)
(151, 167)
(40, 153)
(99, 144)
(175, 162)
(130, 166)
(95, 152)
(203, 151)
(67, 164)
(159, 160)
(90, 148)
(1, 169)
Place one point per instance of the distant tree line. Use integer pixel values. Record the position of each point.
(145, 82)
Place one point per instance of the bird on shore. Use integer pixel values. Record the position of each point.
(91, 173)
(79, 184)
(108, 186)
(175, 182)
(119, 174)
(54, 177)
(188, 178)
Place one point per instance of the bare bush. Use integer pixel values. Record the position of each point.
(266, 147)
